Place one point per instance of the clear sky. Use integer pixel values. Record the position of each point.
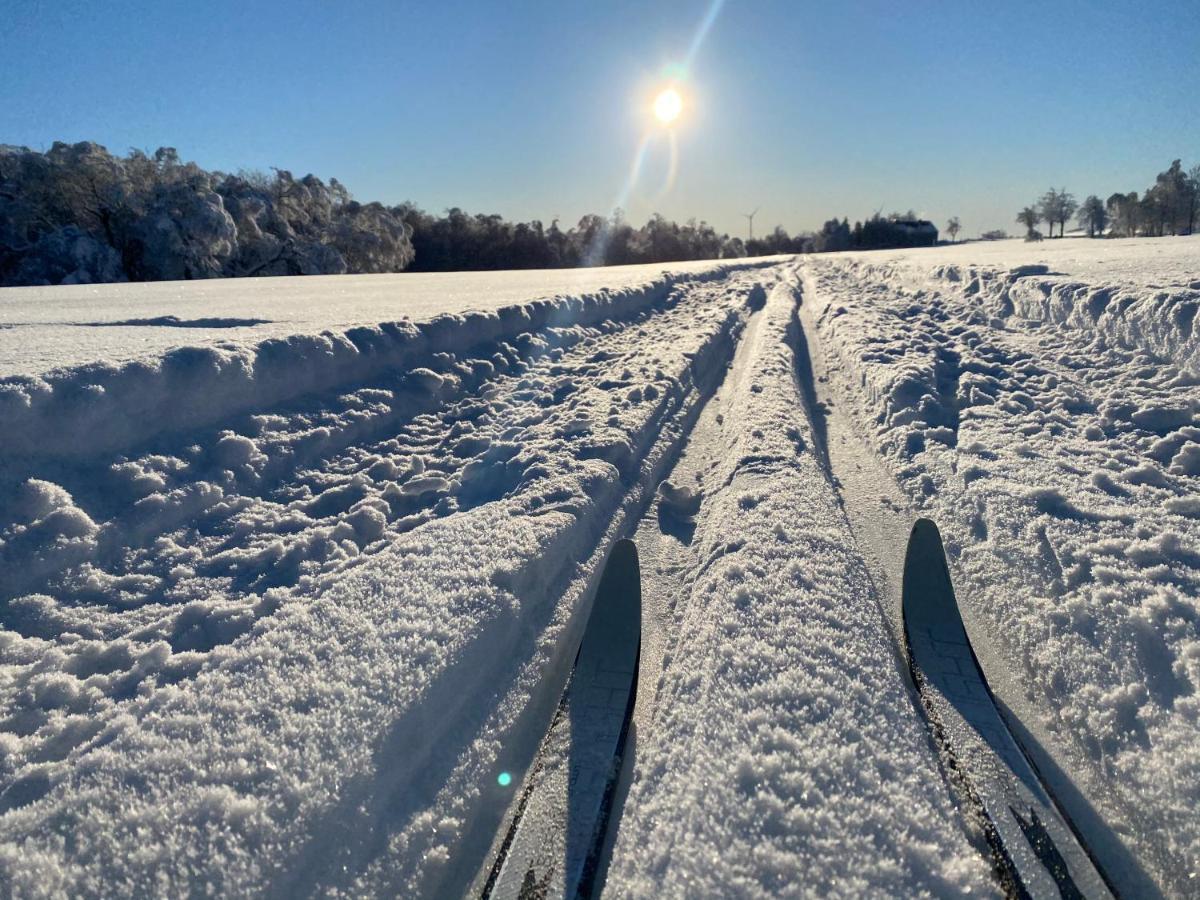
(536, 109)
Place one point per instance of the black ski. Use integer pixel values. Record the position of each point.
(550, 850)
(1035, 850)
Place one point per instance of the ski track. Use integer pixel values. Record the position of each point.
(1049, 433)
(283, 646)
(782, 727)
(274, 615)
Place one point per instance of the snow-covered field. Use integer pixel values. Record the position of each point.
(45, 328)
(288, 580)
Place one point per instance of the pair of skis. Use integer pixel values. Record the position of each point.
(552, 846)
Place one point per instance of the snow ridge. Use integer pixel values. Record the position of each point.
(783, 724)
(74, 412)
(1158, 319)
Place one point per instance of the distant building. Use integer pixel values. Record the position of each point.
(917, 232)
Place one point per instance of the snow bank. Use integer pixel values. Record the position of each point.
(1156, 319)
(786, 754)
(66, 327)
(107, 407)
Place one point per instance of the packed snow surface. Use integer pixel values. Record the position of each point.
(293, 569)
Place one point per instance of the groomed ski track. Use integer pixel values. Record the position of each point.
(774, 653)
(312, 620)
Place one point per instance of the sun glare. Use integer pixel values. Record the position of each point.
(667, 106)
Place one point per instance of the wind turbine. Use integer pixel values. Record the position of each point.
(751, 216)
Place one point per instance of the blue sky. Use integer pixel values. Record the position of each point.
(533, 109)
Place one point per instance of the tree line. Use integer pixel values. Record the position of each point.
(459, 241)
(77, 213)
(879, 232)
(80, 214)
(1169, 206)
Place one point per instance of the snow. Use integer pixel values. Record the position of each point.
(391, 562)
(1046, 423)
(291, 577)
(69, 411)
(64, 326)
(782, 725)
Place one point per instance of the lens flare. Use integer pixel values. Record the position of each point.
(504, 779)
(666, 108)
(668, 105)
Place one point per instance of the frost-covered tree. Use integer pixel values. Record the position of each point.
(77, 213)
(1169, 206)
(1171, 200)
(369, 238)
(63, 214)
(1093, 216)
(1067, 205)
(833, 236)
(953, 227)
(1029, 217)
(1057, 206)
(69, 256)
(1154, 211)
(184, 232)
(1047, 207)
(1193, 199)
(1124, 211)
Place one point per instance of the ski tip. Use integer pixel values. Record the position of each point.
(926, 591)
(924, 532)
(624, 553)
(622, 574)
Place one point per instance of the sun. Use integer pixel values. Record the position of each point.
(668, 105)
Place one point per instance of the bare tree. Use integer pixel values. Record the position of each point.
(953, 227)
